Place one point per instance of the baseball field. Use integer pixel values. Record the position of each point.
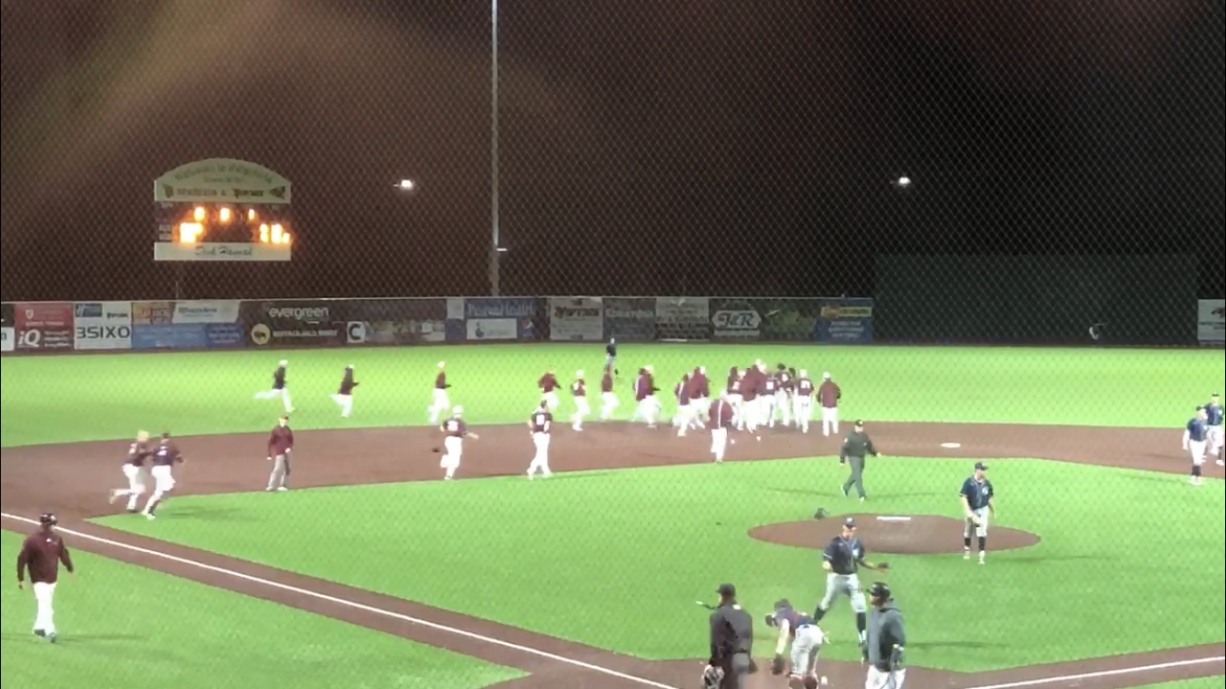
(1105, 567)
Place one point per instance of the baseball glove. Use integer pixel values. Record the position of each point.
(712, 677)
(777, 665)
(821, 513)
(883, 566)
(435, 450)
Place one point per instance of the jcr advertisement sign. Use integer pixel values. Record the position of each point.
(735, 319)
(396, 322)
(296, 323)
(102, 326)
(1211, 322)
(630, 320)
(576, 319)
(43, 327)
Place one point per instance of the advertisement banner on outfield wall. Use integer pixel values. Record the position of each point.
(1211, 322)
(846, 321)
(735, 319)
(382, 322)
(43, 327)
(685, 318)
(275, 324)
(102, 326)
(576, 319)
(8, 334)
(498, 329)
(205, 312)
(491, 319)
(162, 325)
(630, 319)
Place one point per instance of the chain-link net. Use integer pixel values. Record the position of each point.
(704, 238)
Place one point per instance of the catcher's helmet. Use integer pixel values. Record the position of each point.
(880, 591)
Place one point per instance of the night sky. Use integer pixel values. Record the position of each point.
(647, 146)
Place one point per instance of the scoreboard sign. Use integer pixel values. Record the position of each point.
(222, 210)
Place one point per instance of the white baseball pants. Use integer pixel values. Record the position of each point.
(582, 411)
(136, 485)
(345, 402)
(805, 649)
(783, 406)
(1197, 451)
(803, 412)
(44, 595)
(885, 680)
(440, 405)
(540, 463)
(551, 400)
(830, 420)
(451, 458)
(274, 394)
(719, 443)
(610, 403)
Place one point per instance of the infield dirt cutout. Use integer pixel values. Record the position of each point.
(73, 481)
(890, 534)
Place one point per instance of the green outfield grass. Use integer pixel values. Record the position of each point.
(616, 560)
(108, 396)
(125, 626)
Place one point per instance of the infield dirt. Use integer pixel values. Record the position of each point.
(73, 480)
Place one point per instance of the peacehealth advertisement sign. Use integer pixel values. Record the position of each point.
(102, 326)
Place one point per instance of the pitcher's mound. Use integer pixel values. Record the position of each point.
(891, 535)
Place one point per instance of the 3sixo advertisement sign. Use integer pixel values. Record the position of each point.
(297, 324)
(102, 326)
(43, 327)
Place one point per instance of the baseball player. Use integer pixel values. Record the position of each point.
(731, 660)
(806, 639)
(549, 389)
(783, 397)
(721, 421)
(1213, 416)
(279, 388)
(842, 560)
(736, 381)
(1195, 441)
(136, 471)
(769, 401)
(978, 503)
(803, 401)
(887, 641)
(42, 554)
(280, 447)
(748, 417)
(441, 401)
(456, 431)
(610, 355)
(700, 394)
(344, 395)
(856, 447)
(685, 418)
(578, 391)
(165, 457)
(645, 391)
(608, 398)
(829, 395)
(539, 425)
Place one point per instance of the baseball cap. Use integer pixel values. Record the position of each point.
(980, 466)
(47, 519)
(859, 423)
(850, 523)
(726, 590)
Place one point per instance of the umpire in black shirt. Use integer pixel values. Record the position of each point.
(731, 643)
(855, 448)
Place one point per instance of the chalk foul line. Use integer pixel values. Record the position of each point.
(1106, 673)
(352, 605)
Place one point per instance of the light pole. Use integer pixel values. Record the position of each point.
(495, 239)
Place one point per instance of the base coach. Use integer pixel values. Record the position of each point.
(731, 660)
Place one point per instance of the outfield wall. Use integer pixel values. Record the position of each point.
(900, 316)
(48, 327)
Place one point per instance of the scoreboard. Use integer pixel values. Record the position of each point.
(223, 210)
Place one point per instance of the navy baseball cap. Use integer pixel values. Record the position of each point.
(727, 590)
(980, 466)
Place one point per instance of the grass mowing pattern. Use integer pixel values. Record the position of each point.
(109, 396)
(586, 555)
(125, 626)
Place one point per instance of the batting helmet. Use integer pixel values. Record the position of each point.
(880, 591)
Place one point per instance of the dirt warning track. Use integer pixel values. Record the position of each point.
(73, 480)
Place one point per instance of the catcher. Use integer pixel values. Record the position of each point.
(806, 639)
(842, 560)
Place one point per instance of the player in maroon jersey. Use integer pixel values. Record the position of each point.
(441, 400)
(608, 398)
(549, 390)
(578, 391)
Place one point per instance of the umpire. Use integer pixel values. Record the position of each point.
(887, 639)
(856, 447)
(731, 644)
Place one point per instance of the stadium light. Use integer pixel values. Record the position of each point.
(225, 215)
(199, 214)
